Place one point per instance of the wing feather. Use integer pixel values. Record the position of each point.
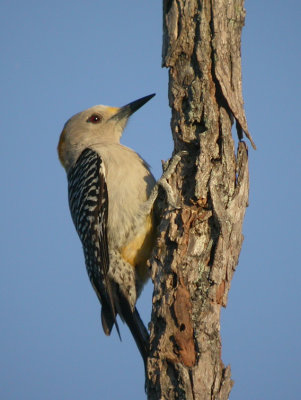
(88, 201)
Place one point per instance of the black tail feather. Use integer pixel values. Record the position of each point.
(108, 320)
(131, 318)
(137, 328)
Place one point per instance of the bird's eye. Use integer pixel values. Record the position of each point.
(95, 118)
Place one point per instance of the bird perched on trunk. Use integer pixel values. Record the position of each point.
(111, 195)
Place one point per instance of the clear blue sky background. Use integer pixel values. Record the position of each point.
(59, 57)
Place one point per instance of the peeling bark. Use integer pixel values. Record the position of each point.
(199, 243)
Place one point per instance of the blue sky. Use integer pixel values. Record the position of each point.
(61, 57)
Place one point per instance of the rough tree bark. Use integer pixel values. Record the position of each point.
(199, 243)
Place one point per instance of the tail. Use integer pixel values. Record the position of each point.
(138, 330)
(108, 319)
(133, 321)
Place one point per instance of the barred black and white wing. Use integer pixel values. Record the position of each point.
(88, 202)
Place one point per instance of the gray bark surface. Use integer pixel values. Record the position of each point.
(199, 243)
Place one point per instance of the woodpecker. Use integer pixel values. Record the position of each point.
(111, 193)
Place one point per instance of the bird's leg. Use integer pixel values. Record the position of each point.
(169, 168)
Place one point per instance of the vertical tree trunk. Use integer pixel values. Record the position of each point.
(200, 242)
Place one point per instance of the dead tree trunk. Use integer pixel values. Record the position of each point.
(199, 243)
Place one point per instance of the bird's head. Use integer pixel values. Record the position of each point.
(98, 124)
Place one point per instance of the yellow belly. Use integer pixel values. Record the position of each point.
(138, 251)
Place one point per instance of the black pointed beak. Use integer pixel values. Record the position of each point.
(135, 105)
(129, 109)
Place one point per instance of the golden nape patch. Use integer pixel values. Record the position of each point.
(138, 251)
